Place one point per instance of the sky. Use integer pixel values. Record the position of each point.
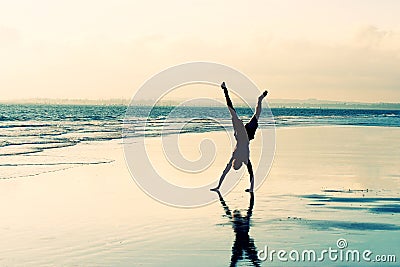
(331, 50)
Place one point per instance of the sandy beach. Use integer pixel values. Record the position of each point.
(325, 183)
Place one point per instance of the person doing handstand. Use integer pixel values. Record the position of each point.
(243, 135)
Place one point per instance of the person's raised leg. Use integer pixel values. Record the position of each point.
(224, 173)
(259, 104)
(227, 98)
(236, 122)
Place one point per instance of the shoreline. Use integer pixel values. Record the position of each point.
(49, 152)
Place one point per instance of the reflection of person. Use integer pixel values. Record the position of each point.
(241, 226)
(243, 135)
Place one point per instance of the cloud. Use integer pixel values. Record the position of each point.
(373, 37)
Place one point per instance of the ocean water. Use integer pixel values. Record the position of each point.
(28, 133)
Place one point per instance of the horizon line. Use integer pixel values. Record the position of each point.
(40, 100)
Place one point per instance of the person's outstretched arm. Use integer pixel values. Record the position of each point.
(224, 173)
(250, 170)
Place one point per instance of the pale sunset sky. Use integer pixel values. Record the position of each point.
(334, 50)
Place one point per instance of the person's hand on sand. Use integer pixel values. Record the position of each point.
(251, 189)
(223, 86)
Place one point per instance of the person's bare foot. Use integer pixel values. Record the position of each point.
(223, 86)
(264, 94)
(216, 189)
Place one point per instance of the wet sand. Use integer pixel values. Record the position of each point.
(326, 183)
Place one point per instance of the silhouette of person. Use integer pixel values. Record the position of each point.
(243, 246)
(243, 134)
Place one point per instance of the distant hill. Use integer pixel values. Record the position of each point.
(50, 101)
(315, 103)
